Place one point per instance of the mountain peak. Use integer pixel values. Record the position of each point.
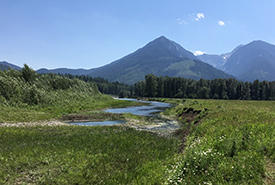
(164, 46)
(161, 40)
(257, 42)
(161, 57)
(162, 37)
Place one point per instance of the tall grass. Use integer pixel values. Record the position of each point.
(65, 103)
(231, 145)
(83, 155)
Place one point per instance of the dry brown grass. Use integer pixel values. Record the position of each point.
(270, 172)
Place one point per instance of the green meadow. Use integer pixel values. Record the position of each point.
(227, 142)
(64, 105)
(83, 155)
(233, 143)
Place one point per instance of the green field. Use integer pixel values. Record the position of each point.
(68, 104)
(227, 142)
(234, 143)
(83, 155)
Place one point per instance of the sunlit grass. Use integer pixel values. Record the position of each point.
(63, 106)
(83, 155)
(234, 143)
(229, 146)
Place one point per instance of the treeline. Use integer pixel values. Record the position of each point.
(177, 87)
(105, 86)
(26, 87)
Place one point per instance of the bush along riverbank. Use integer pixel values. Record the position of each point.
(232, 144)
(26, 96)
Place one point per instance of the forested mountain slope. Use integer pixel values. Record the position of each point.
(161, 57)
(255, 60)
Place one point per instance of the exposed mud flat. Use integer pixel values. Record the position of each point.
(160, 125)
(33, 124)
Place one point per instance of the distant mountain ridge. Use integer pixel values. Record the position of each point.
(5, 66)
(160, 57)
(65, 71)
(255, 60)
(217, 61)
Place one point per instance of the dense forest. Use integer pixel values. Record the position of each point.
(105, 86)
(26, 86)
(177, 87)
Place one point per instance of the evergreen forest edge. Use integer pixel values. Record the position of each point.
(179, 87)
(27, 86)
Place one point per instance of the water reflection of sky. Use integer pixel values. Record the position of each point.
(141, 110)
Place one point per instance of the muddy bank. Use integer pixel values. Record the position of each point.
(189, 115)
(92, 117)
(33, 124)
(188, 119)
(160, 125)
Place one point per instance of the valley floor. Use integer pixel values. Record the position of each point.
(219, 142)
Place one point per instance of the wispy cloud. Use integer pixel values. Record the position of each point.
(221, 23)
(199, 16)
(196, 53)
(191, 17)
(181, 21)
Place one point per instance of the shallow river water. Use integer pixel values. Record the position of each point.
(149, 110)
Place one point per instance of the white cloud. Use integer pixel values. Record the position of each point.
(221, 23)
(196, 53)
(181, 21)
(199, 16)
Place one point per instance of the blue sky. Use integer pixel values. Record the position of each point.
(92, 33)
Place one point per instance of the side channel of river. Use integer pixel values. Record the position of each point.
(149, 110)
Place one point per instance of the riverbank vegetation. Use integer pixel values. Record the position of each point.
(27, 96)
